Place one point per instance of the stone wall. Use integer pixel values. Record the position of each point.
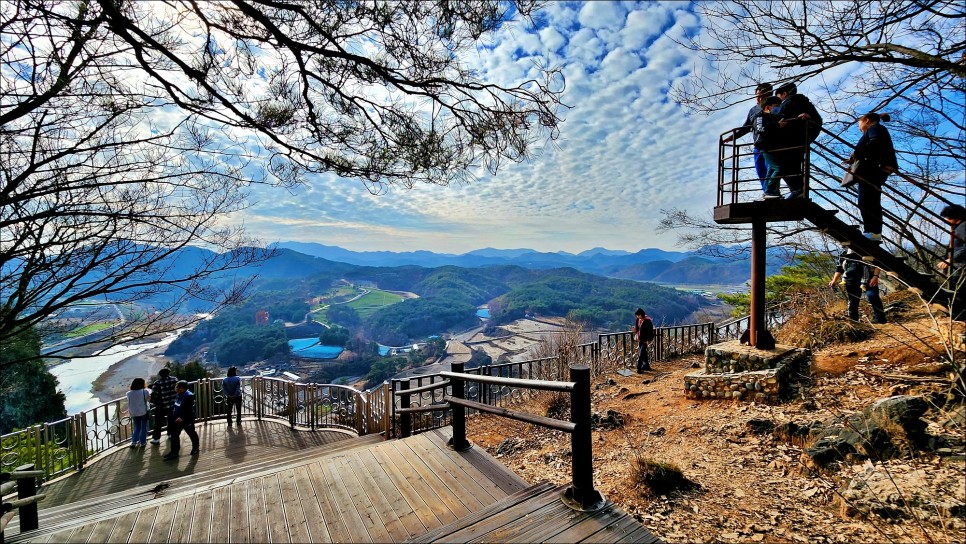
(735, 371)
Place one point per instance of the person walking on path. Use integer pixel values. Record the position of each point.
(231, 387)
(183, 414)
(877, 159)
(137, 407)
(859, 276)
(762, 92)
(644, 332)
(163, 397)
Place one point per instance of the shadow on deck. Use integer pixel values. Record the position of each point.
(267, 483)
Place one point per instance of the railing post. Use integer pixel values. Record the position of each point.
(458, 442)
(581, 495)
(360, 415)
(81, 426)
(387, 409)
(292, 404)
(27, 487)
(405, 419)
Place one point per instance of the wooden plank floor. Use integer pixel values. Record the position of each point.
(386, 491)
(222, 448)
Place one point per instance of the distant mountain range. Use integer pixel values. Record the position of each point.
(653, 265)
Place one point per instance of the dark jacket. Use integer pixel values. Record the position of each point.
(959, 247)
(749, 122)
(875, 147)
(164, 389)
(644, 330)
(800, 132)
(854, 271)
(768, 136)
(184, 407)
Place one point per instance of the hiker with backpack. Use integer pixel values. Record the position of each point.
(644, 332)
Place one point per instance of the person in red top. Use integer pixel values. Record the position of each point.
(644, 332)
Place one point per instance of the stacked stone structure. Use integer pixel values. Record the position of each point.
(736, 371)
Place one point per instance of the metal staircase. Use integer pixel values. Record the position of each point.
(914, 238)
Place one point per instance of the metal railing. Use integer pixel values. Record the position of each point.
(912, 226)
(68, 444)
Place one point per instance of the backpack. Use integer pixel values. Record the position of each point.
(646, 331)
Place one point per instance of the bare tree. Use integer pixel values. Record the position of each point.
(131, 129)
(905, 58)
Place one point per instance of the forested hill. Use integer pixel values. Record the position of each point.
(512, 291)
(449, 295)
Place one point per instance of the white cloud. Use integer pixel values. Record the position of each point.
(626, 151)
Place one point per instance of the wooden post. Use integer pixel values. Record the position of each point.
(458, 442)
(387, 409)
(581, 495)
(360, 415)
(405, 419)
(27, 487)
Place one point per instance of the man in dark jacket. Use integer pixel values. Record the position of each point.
(769, 142)
(184, 419)
(644, 332)
(802, 124)
(162, 396)
(955, 265)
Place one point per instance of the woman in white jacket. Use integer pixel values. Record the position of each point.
(137, 407)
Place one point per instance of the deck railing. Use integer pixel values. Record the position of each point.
(68, 444)
(581, 494)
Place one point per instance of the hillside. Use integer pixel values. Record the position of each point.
(755, 485)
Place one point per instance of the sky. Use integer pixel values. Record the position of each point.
(626, 151)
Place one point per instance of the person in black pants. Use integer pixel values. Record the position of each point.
(859, 276)
(162, 396)
(231, 387)
(877, 158)
(644, 331)
(184, 419)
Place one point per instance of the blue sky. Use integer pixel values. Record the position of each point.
(626, 151)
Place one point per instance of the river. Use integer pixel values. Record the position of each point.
(77, 375)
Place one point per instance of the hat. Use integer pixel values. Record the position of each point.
(786, 88)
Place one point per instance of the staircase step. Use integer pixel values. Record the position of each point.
(68, 514)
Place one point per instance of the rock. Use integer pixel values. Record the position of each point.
(903, 410)
(759, 426)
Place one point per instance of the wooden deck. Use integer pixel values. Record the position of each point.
(347, 490)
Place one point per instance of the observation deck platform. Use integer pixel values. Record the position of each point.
(266, 483)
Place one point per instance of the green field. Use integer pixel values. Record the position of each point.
(365, 305)
(372, 301)
(87, 329)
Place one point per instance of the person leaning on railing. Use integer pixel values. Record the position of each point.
(762, 92)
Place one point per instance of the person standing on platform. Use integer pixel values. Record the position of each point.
(137, 408)
(162, 396)
(859, 277)
(802, 124)
(644, 333)
(231, 387)
(183, 414)
(762, 92)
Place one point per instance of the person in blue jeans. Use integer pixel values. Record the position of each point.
(762, 92)
(137, 407)
(183, 415)
(859, 276)
(231, 387)
(770, 143)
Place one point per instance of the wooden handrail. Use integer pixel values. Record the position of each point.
(563, 387)
(548, 422)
